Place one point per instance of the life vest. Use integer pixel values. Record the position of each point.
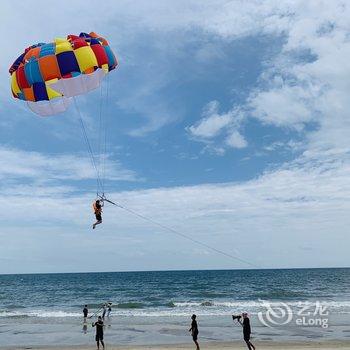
(96, 209)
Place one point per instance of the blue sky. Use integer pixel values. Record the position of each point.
(227, 121)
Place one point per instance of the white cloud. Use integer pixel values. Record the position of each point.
(304, 87)
(213, 149)
(313, 89)
(236, 140)
(212, 122)
(16, 164)
(287, 107)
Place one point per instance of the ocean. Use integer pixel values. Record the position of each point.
(155, 307)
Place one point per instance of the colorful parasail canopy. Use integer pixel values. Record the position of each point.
(47, 75)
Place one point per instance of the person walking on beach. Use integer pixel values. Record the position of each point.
(194, 330)
(99, 332)
(246, 330)
(97, 206)
(85, 312)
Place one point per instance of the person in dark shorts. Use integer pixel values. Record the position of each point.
(97, 206)
(99, 332)
(194, 330)
(246, 330)
(85, 312)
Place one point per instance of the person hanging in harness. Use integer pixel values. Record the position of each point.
(97, 206)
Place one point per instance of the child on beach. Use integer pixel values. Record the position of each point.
(99, 332)
(194, 330)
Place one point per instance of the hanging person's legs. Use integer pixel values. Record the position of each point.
(99, 220)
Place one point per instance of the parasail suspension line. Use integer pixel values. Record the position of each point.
(89, 148)
(169, 229)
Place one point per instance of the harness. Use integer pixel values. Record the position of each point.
(97, 210)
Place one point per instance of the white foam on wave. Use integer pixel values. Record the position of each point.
(204, 308)
(39, 313)
(258, 303)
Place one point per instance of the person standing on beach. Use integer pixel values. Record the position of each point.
(194, 330)
(85, 312)
(104, 311)
(246, 330)
(99, 332)
(109, 309)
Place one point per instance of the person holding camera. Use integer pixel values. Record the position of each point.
(245, 323)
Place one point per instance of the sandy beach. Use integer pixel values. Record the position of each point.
(326, 345)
